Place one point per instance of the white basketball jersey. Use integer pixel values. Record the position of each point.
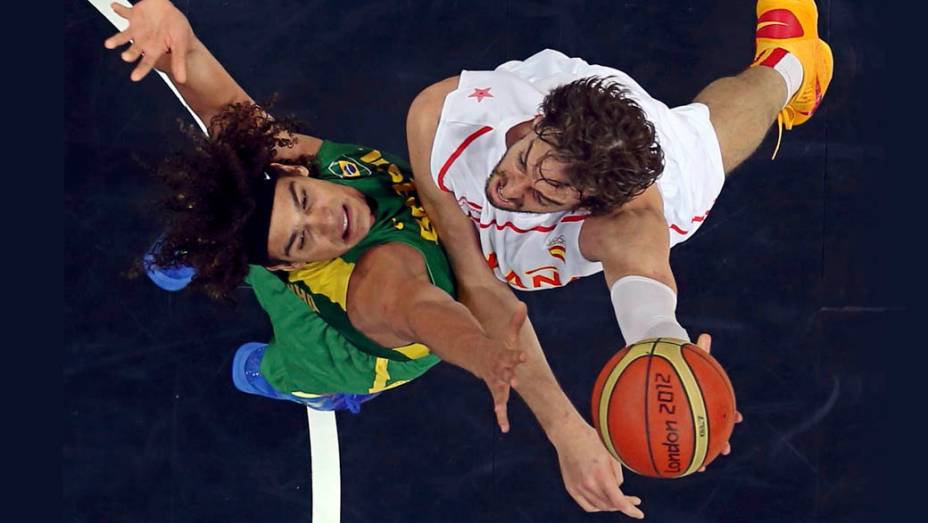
(528, 251)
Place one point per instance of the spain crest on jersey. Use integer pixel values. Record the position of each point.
(348, 169)
(559, 252)
(558, 248)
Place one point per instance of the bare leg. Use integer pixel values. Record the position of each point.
(741, 109)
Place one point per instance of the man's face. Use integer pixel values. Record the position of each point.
(314, 220)
(528, 179)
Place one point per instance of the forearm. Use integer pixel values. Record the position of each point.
(208, 86)
(540, 389)
(492, 303)
(449, 330)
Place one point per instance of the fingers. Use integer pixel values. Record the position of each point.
(628, 505)
(727, 449)
(502, 414)
(609, 500)
(121, 10)
(500, 395)
(738, 417)
(624, 504)
(705, 342)
(583, 502)
(144, 67)
(117, 40)
(179, 61)
(132, 53)
(518, 318)
(602, 492)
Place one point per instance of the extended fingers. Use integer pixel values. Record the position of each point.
(146, 65)
(500, 399)
(179, 61)
(121, 10)
(704, 341)
(117, 40)
(502, 418)
(584, 503)
(518, 318)
(625, 504)
(132, 53)
(628, 505)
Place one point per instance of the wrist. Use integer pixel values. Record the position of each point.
(566, 428)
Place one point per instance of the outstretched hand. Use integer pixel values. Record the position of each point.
(591, 475)
(704, 342)
(156, 29)
(498, 364)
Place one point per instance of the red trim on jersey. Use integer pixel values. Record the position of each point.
(470, 204)
(536, 269)
(457, 152)
(539, 228)
(695, 219)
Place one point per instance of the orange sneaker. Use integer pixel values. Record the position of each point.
(792, 26)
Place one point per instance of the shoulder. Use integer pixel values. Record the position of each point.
(425, 110)
(430, 99)
(640, 221)
(384, 278)
(388, 265)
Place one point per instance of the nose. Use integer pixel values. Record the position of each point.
(512, 187)
(326, 221)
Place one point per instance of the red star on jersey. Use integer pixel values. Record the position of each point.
(480, 94)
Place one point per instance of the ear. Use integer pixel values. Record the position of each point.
(292, 170)
(286, 266)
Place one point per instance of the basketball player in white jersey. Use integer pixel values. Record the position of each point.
(564, 169)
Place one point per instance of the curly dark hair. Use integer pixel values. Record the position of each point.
(211, 193)
(602, 136)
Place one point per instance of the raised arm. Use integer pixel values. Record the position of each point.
(161, 37)
(634, 247)
(591, 476)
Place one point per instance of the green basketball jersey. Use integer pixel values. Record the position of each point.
(315, 349)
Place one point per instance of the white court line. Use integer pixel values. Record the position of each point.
(323, 432)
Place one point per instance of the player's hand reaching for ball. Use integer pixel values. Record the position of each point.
(498, 362)
(158, 33)
(591, 475)
(704, 342)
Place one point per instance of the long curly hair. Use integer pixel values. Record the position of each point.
(609, 147)
(210, 194)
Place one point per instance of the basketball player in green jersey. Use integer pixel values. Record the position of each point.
(330, 236)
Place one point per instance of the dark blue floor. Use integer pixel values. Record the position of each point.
(793, 274)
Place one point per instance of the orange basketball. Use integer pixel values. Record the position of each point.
(663, 407)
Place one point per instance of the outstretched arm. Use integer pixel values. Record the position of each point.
(392, 301)
(591, 476)
(160, 37)
(633, 245)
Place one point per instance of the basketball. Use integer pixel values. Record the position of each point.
(663, 407)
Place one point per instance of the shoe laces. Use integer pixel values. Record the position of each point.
(785, 118)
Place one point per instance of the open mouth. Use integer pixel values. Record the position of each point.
(499, 195)
(346, 222)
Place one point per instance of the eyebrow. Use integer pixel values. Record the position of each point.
(540, 175)
(296, 203)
